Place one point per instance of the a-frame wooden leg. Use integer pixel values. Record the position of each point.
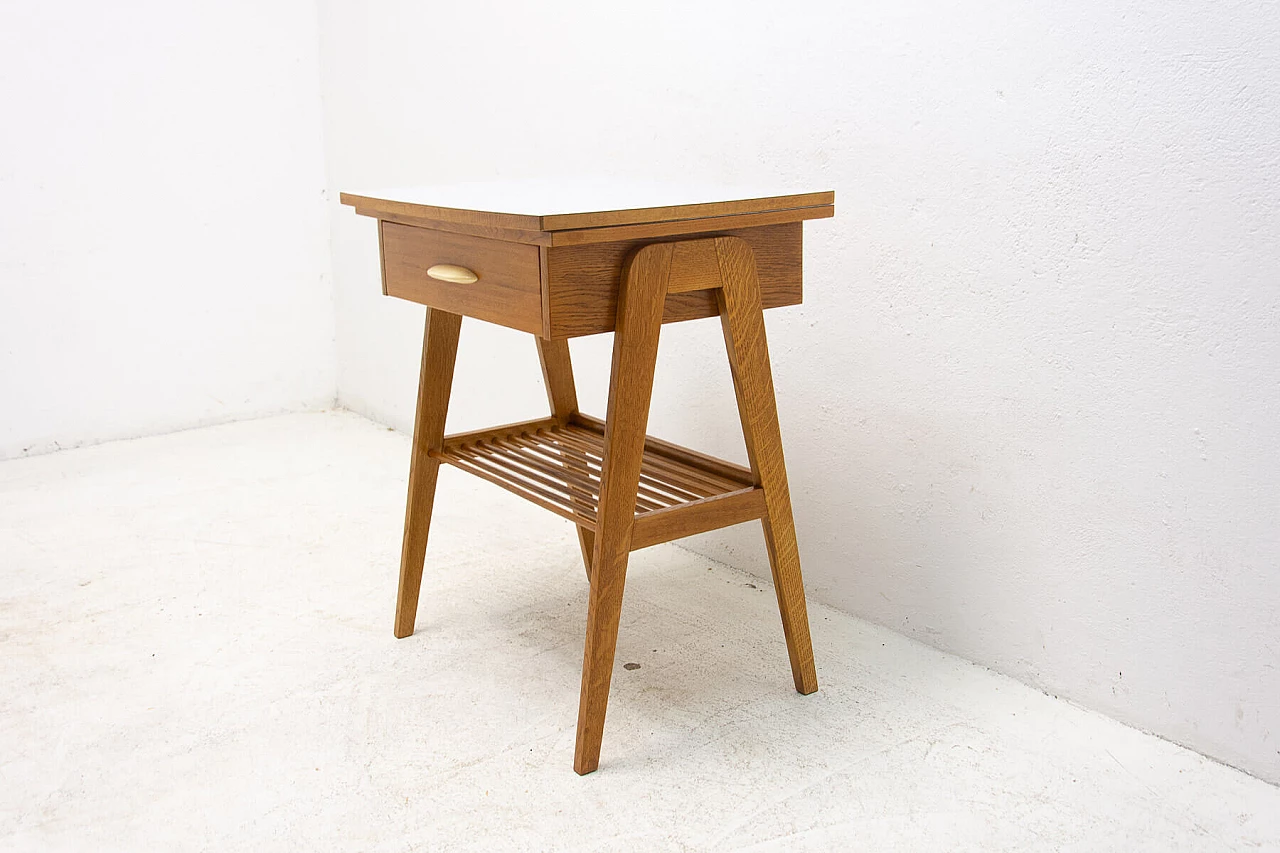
(562, 395)
(635, 351)
(439, 352)
(743, 322)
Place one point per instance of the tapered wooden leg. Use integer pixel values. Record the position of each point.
(743, 322)
(439, 351)
(635, 351)
(562, 395)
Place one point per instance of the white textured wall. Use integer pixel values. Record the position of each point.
(163, 241)
(1032, 400)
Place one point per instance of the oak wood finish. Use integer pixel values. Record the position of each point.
(508, 235)
(744, 338)
(727, 472)
(646, 280)
(701, 516)
(567, 291)
(559, 466)
(439, 352)
(562, 396)
(583, 281)
(709, 226)
(557, 375)
(528, 210)
(635, 352)
(684, 212)
(684, 228)
(519, 427)
(563, 272)
(509, 291)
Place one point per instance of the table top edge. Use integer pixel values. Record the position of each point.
(380, 203)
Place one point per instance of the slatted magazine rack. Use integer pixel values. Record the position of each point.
(560, 261)
(558, 466)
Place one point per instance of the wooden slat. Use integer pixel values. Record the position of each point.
(573, 470)
(469, 465)
(653, 486)
(696, 479)
(700, 461)
(643, 499)
(459, 438)
(678, 494)
(712, 513)
(659, 471)
(520, 468)
(653, 494)
(559, 467)
(494, 464)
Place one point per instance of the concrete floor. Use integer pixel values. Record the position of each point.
(196, 654)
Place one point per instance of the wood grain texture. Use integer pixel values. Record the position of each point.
(712, 513)
(557, 376)
(743, 322)
(471, 436)
(688, 227)
(556, 206)
(561, 272)
(728, 472)
(583, 281)
(562, 396)
(785, 204)
(488, 461)
(684, 481)
(584, 236)
(694, 266)
(509, 235)
(509, 290)
(439, 353)
(559, 466)
(545, 281)
(635, 352)
(388, 208)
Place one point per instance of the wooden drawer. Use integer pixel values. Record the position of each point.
(582, 281)
(508, 290)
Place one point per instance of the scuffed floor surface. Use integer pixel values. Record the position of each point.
(196, 654)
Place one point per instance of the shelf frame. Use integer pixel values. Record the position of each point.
(556, 464)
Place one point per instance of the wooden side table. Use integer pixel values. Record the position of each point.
(562, 261)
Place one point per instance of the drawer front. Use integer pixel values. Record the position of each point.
(508, 285)
(582, 281)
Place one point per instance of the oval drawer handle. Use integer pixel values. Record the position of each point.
(452, 273)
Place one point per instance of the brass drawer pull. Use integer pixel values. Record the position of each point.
(452, 274)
